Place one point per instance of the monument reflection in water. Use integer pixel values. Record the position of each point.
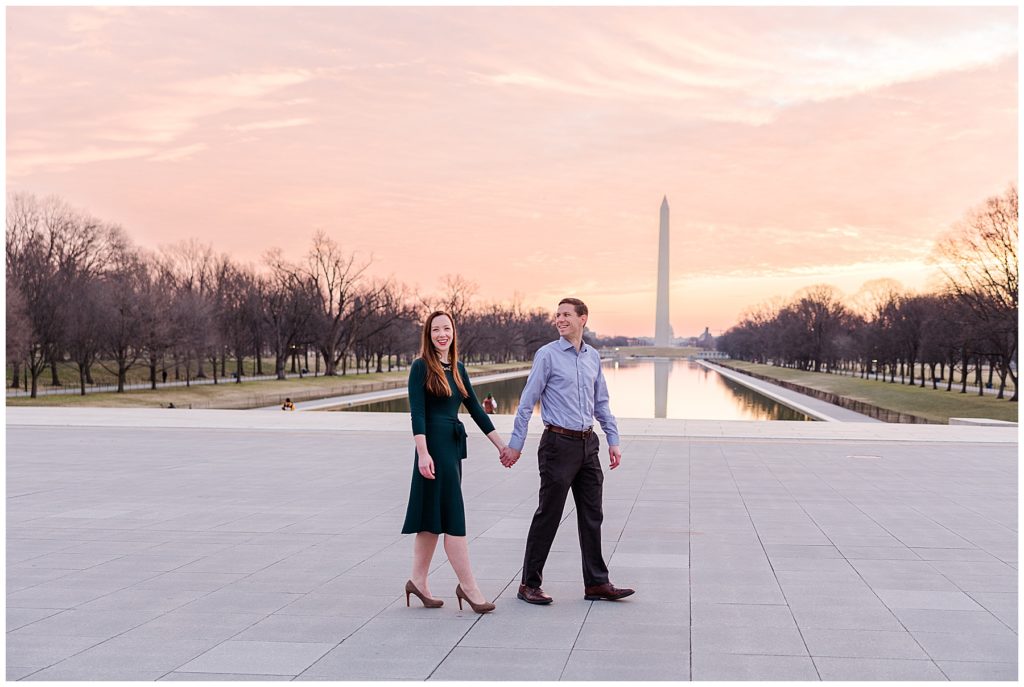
(684, 389)
(668, 388)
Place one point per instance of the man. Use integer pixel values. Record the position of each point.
(567, 379)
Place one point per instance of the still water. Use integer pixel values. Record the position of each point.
(647, 388)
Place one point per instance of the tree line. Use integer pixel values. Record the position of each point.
(80, 292)
(968, 324)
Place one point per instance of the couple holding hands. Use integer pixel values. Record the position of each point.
(566, 377)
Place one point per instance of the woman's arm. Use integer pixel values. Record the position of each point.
(425, 462)
(482, 419)
(496, 439)
(479, 415)
(418, 411)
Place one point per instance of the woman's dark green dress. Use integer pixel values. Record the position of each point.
(435, 505)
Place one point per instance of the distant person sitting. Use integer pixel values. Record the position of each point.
(288, 405)
(490, 404)
(170, 405)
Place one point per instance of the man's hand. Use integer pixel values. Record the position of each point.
(509, 456)
(615, 454)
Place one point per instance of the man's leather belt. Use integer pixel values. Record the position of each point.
(574, 433)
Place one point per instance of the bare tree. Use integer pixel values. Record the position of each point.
(333, 277)
(911, 318)
(158, 336)
(384, 316)
(127, 313)
(191, 266)
(823, 316)
(52, 248)
(19, 329)
(456, 296)
(979, 261)
(289, 306)
(238, 287)
(85, 326)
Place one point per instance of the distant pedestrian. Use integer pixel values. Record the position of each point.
(165, 376)
(288, 405)
(490, 405)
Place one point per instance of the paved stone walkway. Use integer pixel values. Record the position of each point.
(239, 545)
(808, 405)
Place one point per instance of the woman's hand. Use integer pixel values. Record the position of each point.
(426, 466)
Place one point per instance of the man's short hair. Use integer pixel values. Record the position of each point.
(580, 306)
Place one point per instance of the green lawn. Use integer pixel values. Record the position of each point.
(248, 394)
(937, 405)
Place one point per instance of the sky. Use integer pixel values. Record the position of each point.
(528, 149)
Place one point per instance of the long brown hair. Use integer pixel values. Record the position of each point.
(437, 382)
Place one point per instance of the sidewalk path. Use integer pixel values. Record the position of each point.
(143, 386)
(387, 394)
(191, 545)
(808, 405)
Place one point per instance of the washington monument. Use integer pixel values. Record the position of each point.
(662, 328)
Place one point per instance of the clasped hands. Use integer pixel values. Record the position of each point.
(509, 456)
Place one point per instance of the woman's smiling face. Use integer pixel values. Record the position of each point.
(441, 334)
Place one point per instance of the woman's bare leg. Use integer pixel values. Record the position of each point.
(422, 552)
(457, 549)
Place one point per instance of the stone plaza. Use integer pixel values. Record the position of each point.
(199, 545)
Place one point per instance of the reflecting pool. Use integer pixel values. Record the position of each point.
(646, 388)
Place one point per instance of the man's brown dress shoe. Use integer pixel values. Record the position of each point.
(533, 595)
(605, 592)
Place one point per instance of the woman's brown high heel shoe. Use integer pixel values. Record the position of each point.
(485, 607)
(410, 588)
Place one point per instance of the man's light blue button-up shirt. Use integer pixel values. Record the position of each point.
(571, 389)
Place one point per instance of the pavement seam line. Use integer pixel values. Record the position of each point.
(765, 552)
(575, 639)
(833, 544)
(689, 548)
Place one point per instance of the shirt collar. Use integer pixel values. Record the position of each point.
(566, 344)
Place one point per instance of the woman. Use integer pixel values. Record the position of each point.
(438, 385)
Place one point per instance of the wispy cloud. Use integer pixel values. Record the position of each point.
(275, 124)
(64, 161)
(243, 85)
(161, 117)
(751, 70)
(179, 154)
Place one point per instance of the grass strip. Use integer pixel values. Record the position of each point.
(935, 405)
(249, 394)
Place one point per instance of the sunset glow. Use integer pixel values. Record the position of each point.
(528, 149)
